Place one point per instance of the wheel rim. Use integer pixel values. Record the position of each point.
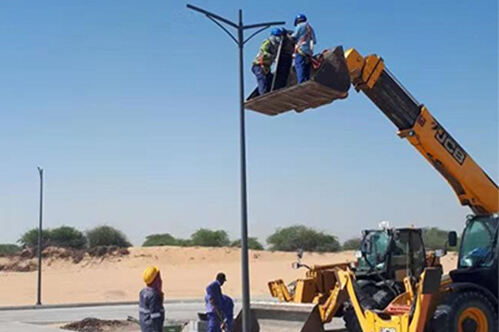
(473, 319)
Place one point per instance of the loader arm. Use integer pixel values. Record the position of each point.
(469, 181)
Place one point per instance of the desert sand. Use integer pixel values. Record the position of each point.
(186, 272)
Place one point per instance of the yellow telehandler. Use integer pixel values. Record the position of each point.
(465, 300)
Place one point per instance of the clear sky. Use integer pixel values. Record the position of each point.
(131, 109)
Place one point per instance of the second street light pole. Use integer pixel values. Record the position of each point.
(40, 239)
(240, 41)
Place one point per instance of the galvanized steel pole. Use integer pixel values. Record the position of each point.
(39, 295)
(240, 41)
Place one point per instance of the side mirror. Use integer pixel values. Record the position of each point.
(452, 239)
(299, 253)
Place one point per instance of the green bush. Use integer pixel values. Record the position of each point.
(252, 244)
(67, 237)
(301, 237)
(352, 244)
(30, 238)
(165, 239)
(184, 242)
(7, 249)
(435, 238)
(107, 236)
(208, 238)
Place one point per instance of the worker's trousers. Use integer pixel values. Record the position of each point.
(263, 78)
(302, 66)
(213, 322)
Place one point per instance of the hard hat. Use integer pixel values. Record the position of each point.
(150, 273)
(300, 18)
(277, 32)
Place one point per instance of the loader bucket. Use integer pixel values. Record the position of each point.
(329, 82)
(282, 317)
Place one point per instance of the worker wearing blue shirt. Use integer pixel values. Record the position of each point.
(215, 305)
(228, 308)
(304, 36)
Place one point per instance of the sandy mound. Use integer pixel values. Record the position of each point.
(99, 325)
(186, 272)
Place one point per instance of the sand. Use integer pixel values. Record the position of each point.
(186, 272)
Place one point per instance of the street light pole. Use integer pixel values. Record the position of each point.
(240, 41)
(39, 295)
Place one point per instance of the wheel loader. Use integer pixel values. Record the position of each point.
(465, 300)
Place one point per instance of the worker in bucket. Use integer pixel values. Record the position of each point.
(266, 56)
(151, 310)
(217, 320)
(304, 37)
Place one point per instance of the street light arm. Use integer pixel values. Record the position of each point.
(255, 33)
(223, 28)
(258, 25)
(207, 13)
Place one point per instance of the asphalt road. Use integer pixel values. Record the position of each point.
(44, 319)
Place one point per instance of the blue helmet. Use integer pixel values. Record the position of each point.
(300, 18)
(277, 32)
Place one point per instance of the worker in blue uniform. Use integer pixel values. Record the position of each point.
(151, 310)
(228, 308)
(265, 58)
(305, 39)
(217, 319)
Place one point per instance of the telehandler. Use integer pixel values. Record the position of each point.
(464, 301)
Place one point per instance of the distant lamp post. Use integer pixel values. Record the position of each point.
(39, 296)
(240, 41)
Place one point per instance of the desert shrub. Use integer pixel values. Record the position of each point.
(435, 238)
(184, 242)
(165, 239)
(208, 238)
(302, 237)
(67, 237)
(352, 244)
(7, 249)
(252, 244)
(107, 236)
(30, 238)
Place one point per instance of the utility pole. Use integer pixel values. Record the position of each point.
(240, 41)
(39, 297)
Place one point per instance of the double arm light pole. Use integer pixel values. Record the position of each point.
(240, 41)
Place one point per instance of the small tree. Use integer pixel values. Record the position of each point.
(67, 237)
(30, 238)
(352, 244)
(107, 236)
(252, 244)
(208, 238)
(165, 239)
(7, 249)
(301, 237)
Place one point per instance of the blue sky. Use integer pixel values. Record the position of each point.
(131, 108)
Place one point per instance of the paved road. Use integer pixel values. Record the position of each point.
(43, 320)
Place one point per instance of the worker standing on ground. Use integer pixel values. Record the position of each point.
(217, 319)
(265, 58)
(304, 37)
(228, 307)
(151, 310)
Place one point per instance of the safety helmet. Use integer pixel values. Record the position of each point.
(277, 32)
(300, 18)
(150, 273)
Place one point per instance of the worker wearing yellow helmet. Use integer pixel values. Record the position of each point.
(151, 310)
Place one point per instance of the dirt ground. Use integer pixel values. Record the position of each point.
(186, 272)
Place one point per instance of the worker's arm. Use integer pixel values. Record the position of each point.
(157, 311)
(469, 181)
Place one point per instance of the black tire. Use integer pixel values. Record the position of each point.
(349, 317)
(462, 308)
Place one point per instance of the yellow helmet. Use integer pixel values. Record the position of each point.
(150, 274)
